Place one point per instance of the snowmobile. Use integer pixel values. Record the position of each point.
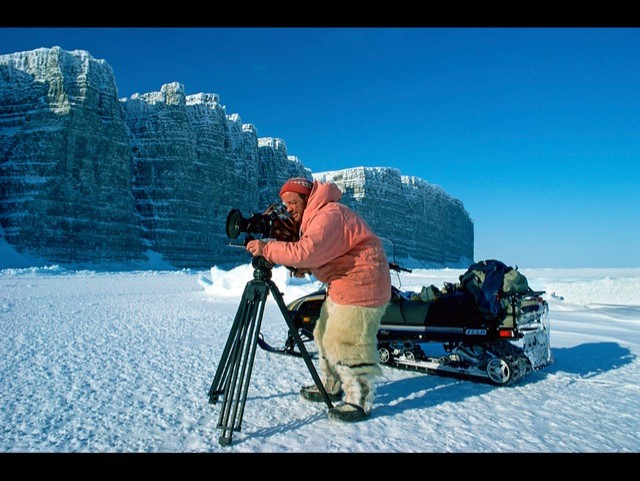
(489, 327)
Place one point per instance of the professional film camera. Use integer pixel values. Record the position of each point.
(274, 223)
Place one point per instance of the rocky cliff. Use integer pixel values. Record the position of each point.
(85, 176)
(420, 223)
(65, 158)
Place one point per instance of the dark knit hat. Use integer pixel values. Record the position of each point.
(301, 185)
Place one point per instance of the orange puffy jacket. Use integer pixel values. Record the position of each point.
(339, 248)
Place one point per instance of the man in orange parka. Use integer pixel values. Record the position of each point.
(338, 247)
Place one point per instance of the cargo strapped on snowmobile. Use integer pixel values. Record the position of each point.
(491, 281)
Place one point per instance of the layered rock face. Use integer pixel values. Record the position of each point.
(420, 224)
(179, 158)
(65, 159)
(275, 167)
(88, 177)
(192, 164)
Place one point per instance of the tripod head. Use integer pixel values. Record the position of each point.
(262, 268)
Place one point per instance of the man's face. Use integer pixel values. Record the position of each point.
(295, 205)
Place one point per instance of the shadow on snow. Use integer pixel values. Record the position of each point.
(590, 359)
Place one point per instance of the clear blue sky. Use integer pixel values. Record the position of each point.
(535, 130)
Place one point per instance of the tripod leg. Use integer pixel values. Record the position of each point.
(236, 372)
(298, 340)
(217, 386)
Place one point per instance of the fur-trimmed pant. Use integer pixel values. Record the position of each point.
(346, 338)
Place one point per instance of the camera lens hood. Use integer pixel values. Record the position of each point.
(234, 217)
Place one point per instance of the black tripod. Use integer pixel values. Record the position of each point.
(234, 370)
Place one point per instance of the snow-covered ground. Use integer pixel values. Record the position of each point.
(121, 362)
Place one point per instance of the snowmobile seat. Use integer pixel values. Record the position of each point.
(410, 313)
